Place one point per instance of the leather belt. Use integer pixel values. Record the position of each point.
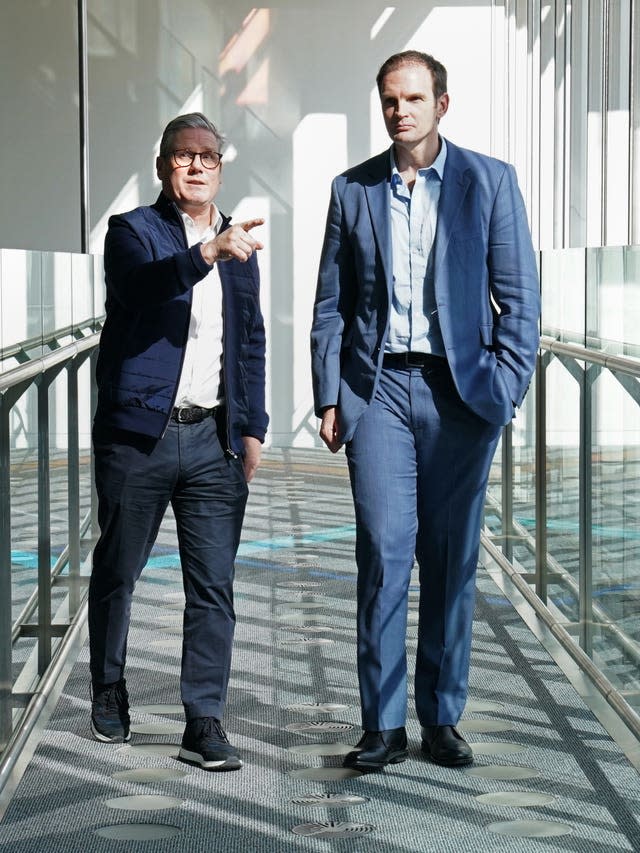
(412, 359)
(190, 414)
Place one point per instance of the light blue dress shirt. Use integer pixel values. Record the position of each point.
(413, 318)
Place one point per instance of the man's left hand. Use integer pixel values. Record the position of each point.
(252, 452)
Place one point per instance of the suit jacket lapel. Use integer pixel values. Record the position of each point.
(377, 193)
(454, 187)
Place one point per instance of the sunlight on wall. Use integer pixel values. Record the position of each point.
(257, 89)
(127, 199)
(243, 45)
(382, 20)
(319, 153)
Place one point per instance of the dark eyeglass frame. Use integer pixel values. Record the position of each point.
(188, 156)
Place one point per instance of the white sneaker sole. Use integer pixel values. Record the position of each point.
(105, 738)
(231, 763)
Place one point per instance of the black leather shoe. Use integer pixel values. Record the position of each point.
(445, 745)
(375, 750)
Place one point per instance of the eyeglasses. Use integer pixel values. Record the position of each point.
(209, 159)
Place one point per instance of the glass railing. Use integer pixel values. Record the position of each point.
(562, 507)
(50, 309)
(564, 499)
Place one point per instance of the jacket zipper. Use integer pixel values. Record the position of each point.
(230, 451)
(175, 390)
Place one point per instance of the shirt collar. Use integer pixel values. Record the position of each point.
(216, 220)
(437, 165)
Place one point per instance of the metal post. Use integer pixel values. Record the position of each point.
(6, 680)
(83, 121)
(585, 514)
(541, 477)
(73, 486)
(44, 528)
(507, 491)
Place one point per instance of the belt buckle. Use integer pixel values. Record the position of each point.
(414, 359)
(180, 418)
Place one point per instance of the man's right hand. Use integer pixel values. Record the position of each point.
(329, 429)
(234, 242)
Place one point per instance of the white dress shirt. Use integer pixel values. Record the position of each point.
(413, 318)
(199, 383)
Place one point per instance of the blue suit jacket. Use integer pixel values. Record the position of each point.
(485, 278)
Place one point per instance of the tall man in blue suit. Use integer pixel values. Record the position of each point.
(423, 343)
(180, 421)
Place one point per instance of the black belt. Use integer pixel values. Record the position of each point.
(190, 414)
(412, 359)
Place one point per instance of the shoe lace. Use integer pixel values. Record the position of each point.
(211, 728)
(114, 697)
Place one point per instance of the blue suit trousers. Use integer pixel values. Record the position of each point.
(419, 463)
(136, 479)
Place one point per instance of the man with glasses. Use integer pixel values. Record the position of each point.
(180, 420)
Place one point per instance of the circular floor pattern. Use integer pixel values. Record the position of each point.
(321, 749)
(319, 726)
(307, 641)
(170, 749)
(144, 802)
(497, 748)
(519, 799)
(530, 828)
(325, 774)
(173, 628)
(174, 597)
(157, 709)
(482, 706)
(298, 584)
(150, 774)
(138, 831)
(330, 800)
(486, 725)
(316, 707)
(503, 772)
(331, 829)
(309, 628)
(171, 727)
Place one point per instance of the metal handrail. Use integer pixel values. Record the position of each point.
(618, 363)
(52, 340)
(41, 364)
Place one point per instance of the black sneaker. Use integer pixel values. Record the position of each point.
(110, 712)
(204, 742)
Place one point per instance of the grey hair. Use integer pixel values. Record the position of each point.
(188, 120)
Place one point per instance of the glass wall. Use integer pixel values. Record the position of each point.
(574, 534)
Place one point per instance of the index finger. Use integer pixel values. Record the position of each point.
(251, 223)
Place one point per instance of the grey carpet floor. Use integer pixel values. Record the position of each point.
(293, 704)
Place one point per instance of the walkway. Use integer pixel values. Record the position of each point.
(544, 764)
